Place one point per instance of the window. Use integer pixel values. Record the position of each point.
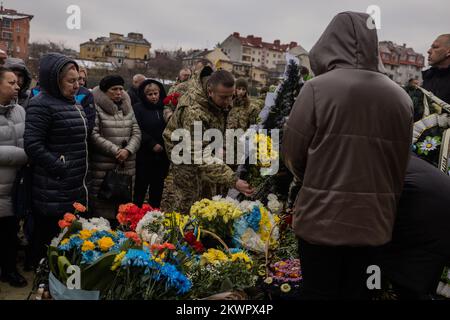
(18, 38)
(18, 49)
(7, 23)
(274, 55)
(253, 59)
(7, 35)
(18, 28)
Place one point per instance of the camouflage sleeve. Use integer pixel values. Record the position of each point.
(212, 168)
(167, 113)
(253, 116)
(232, 120)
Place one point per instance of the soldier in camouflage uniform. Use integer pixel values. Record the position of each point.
(189, 91)
(180, 86)
(211, 100)
(244, 113)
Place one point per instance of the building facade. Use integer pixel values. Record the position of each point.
(401, 63)
(117, 49)
(252, 50)
(14, 33)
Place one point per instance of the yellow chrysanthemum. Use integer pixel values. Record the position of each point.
(241, 256)
(210, 210)
(65, 241)
(87, 245)
(264, 150)
(214, 256)
(118, 260)
(85, 234)
(105, 243)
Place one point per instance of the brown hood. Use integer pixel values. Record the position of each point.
(346, 43)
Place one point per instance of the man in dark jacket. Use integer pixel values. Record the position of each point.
(24, 79)
(152, 163)
(56, 142)
(347, 140)
(417, 98)
(437, 78)
(133, 92)
(420, 248)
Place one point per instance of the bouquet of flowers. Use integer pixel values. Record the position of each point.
(216, 215)
(172, 100)
(284, 278)
(254, 229)
(217, 271)
(149, 272)
(130, 214)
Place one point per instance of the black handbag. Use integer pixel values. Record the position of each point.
(21, 192)
(116, 187)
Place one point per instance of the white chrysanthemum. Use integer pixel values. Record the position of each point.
(99, 224)
(150, 218)
(150, 237)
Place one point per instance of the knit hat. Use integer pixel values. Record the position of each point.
(242, 83)
(111, 81)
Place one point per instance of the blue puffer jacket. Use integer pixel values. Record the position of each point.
(55, 140)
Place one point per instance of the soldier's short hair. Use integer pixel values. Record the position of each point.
(447, 38)
(222, 77)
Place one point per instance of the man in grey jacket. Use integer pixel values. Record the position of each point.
(12, 157)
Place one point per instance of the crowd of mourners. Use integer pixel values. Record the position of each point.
(347, 140)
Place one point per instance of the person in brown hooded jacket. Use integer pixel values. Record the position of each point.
(347, 140)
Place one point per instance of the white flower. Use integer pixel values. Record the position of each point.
(150, 218)
(429, 144)
(150, 237)
(99, 224)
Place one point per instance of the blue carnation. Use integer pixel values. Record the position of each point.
(90, 256)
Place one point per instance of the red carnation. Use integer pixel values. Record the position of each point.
(166, 100)
(189, 237)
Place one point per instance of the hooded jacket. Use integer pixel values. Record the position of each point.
(56, 142)
(150, 118)
(12, 155)
(114, 128)
(17, 65)
(347, 140)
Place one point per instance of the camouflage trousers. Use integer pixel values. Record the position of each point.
(189, 187)
(168, 196)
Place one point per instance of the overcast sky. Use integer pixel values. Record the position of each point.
(170, 24)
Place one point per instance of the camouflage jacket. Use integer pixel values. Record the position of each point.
(196, 107)
(242, 115)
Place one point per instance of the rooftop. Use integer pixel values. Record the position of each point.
(134, 38)
(257, 42)
(13, 14)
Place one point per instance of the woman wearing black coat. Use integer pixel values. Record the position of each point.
(152, 163)
(55, 141)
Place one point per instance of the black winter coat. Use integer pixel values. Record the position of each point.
(151, 121)
(438, 82)
(420, 246)
(56, 142)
